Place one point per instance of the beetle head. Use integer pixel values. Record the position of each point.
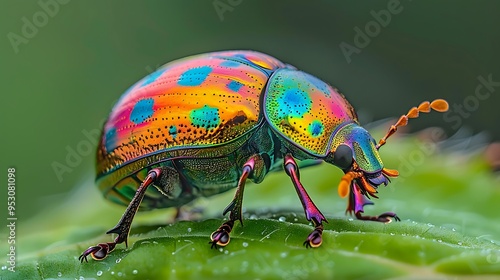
(355, 151)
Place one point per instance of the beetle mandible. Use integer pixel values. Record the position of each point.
(205, 124)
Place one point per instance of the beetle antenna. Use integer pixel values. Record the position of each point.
(439, 105)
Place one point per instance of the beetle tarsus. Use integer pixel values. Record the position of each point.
(221, 235)
(98, 252)
(386, 217)
(315, 237)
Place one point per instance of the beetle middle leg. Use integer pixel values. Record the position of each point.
(256, 165)
(312, 212)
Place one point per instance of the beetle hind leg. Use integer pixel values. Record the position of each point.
(102, 250)
(312, 212)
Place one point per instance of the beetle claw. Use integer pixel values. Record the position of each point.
(386, 217)
(98, 252)
(314, 239)
(221, 235)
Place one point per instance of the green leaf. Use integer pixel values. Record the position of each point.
(449, 229)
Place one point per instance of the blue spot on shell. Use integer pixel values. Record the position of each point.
(173, 131)
(230, 64)
(206, 117)
(316, 128)
(293, 103)
(110, 139)
(234, 86)
(195, 76)
(152, 77)
(143, 110)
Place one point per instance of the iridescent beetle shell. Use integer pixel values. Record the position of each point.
(205, 124)
(203, 101)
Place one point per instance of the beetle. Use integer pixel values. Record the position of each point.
(205, 124)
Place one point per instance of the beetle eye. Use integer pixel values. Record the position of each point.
(342, 157)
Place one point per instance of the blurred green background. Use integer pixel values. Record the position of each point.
(61, 76)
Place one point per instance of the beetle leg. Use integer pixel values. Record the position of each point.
(357, 201)
(312, 212)
(221, 235)
(101, 251)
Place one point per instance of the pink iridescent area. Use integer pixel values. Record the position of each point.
(215, 95)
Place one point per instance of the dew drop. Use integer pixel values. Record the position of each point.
(4, 267)
(350, 219)
(282, 219)
(118, 260)
(226, 252)
(245, 244)
(253, 217)
(460, 243)
(392, 233)
(295, 219)
(453, 229)
(82, 278)
(112, 273)
(59, 274)
(221, 250)
(283, 254)
(440, 241)
(134, 271)
(120, 274)
(189, 229)
(99, 273)
(356, 248)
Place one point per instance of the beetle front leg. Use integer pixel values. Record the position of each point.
(312, 212)
(357, 200)
(101, 250)
(221, 235)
